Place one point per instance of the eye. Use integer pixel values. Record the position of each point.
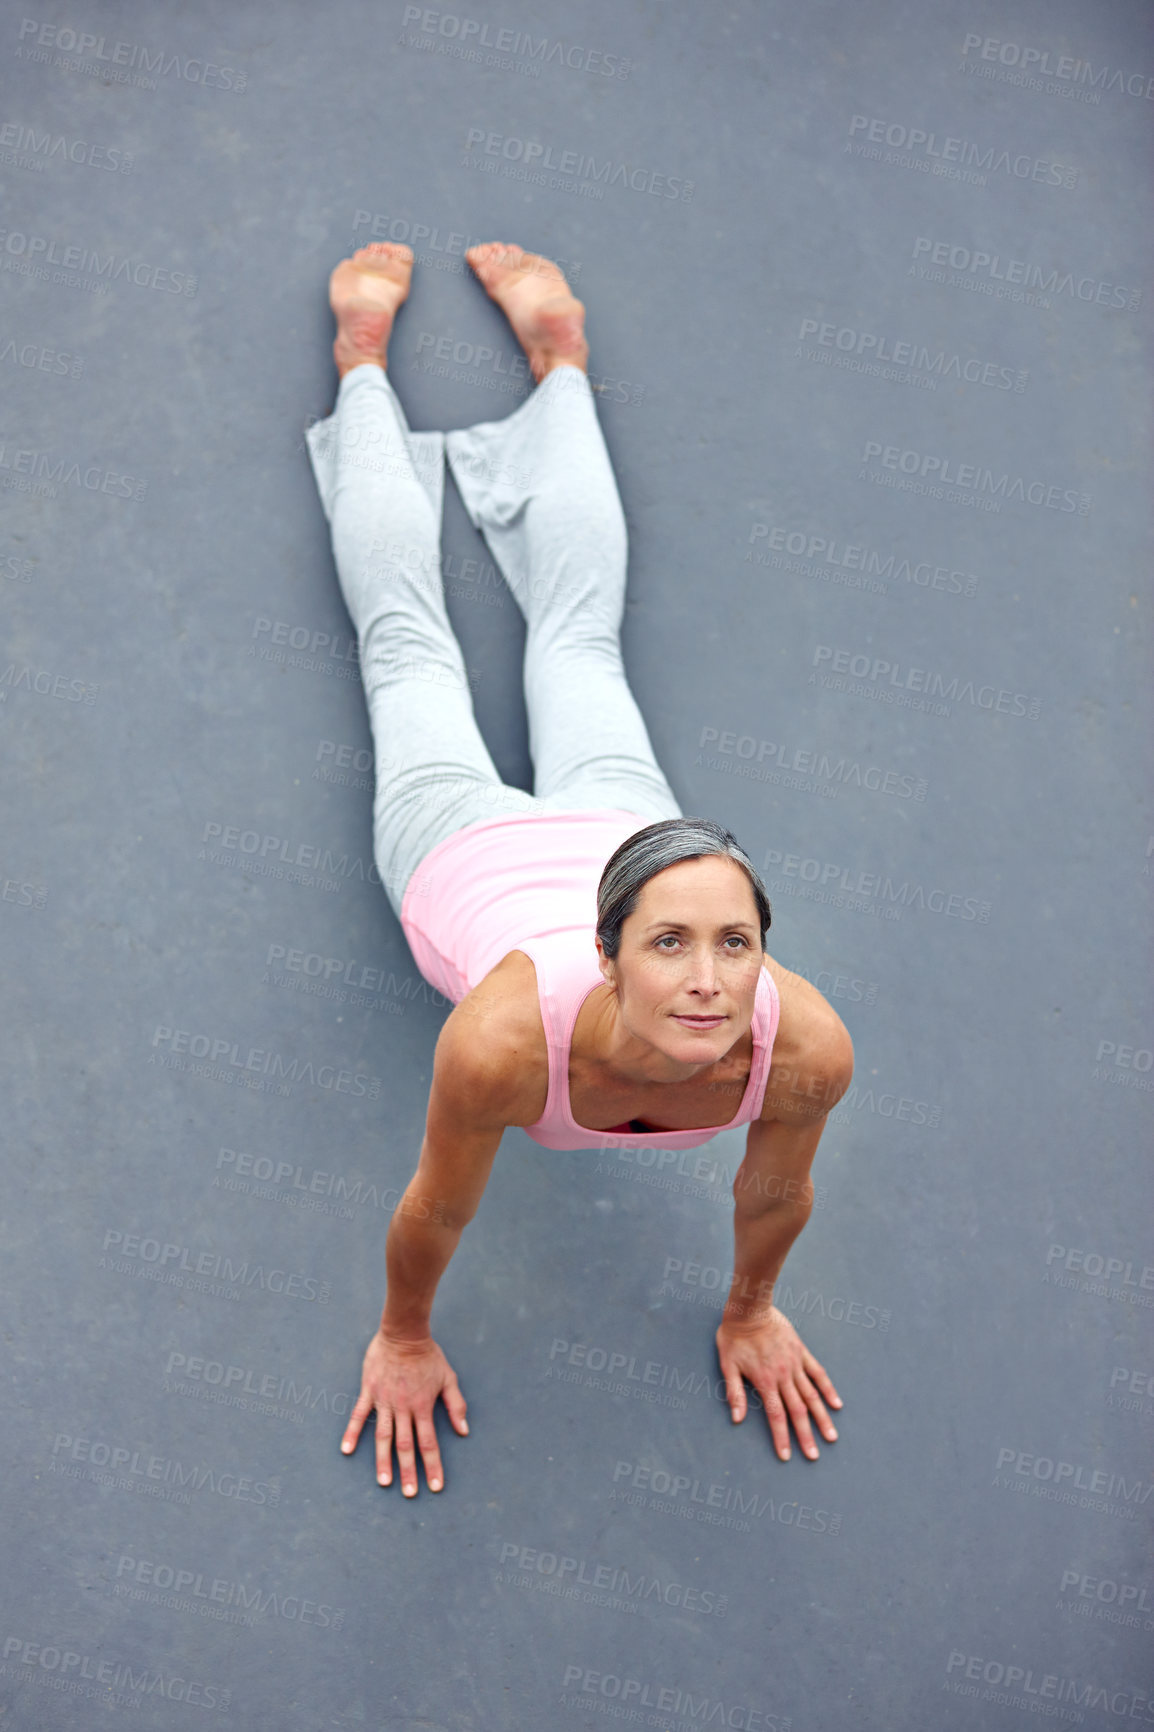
(738, 937)
(670, 938)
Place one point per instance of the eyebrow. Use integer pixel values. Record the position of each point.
(679, 926)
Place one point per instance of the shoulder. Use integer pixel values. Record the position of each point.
(491, 1058)
(813, 1058)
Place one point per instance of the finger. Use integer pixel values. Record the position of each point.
(800, 1416)
(823, 1380)
(430, 1454)
(734, 1387)
(455, 1406)
(406, 1455)
(735, 1394)
(384, 1446)
(817, 1407)
(778, 1422)
(357, 1419)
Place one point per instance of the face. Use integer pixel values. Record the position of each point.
(686, 972)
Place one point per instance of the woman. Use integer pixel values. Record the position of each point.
(605, 954)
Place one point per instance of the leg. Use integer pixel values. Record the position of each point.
(540, 487)
(381, 488)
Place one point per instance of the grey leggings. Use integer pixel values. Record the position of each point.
(540, 488)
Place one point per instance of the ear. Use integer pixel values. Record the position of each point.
(607, 966)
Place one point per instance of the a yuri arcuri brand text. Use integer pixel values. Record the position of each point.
(593, 1691)
(133, 1466)
(40, 251)
(919, 357)
(172, 1260)
(945, 472)
(121, 62)
(1035, 62)
(889, 681)
(74, 1672)
(194, 1585)
(807, 767)
(262, 1061)
(916, 146)
(623, 1589)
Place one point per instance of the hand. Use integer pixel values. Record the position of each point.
(784, 1372)
(402, 1380)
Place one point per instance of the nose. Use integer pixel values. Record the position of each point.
(702, 972)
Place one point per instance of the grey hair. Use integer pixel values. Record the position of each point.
(647, 852)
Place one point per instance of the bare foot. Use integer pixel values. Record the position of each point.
(548, 319)
(364, 293)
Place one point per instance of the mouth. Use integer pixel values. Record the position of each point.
(700, 1021)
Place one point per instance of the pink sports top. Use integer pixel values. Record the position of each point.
(529, 882)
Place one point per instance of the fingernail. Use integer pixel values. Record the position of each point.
(832, 1435)
(381, 1480)
(434, 1485)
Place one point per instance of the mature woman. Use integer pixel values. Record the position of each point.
(605, 954)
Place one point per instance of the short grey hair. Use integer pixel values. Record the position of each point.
(649, 851)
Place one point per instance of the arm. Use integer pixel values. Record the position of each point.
(465, 1121)
(404, 1369)
(773, 1198)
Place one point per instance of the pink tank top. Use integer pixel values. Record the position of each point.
(529, 882)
